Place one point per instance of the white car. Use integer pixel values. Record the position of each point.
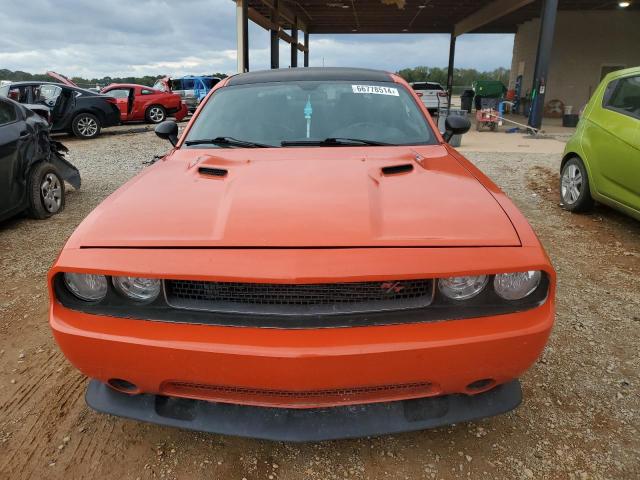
(433, 95)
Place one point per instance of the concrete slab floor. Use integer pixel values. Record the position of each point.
(554, 138)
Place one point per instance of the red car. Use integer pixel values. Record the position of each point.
(142, 103)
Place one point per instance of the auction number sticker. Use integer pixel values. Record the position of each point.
(375, 89)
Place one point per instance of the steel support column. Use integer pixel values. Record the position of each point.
(294, 44)
(275, 29)
(452, 55)
(242, 30)
(543, 56)
(306, 49)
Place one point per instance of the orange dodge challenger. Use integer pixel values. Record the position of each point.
(310, 261)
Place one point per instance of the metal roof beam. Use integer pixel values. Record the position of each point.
(265, 23)
(487, 14)
(289, 39)
(259, 19)
(286, 14)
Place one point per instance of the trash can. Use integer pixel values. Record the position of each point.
(442, 116)
(489, 88)
(456, 140)
(570, 120)
(466, 100)
(477, 100)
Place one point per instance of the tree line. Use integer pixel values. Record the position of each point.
(461, 76)
(149, 80)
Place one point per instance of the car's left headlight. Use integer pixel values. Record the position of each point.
(514, 286)
(138, 288)
(462, 288)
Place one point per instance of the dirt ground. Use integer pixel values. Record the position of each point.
(579, 419)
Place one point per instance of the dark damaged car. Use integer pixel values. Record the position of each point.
(33, 169)
(73, 110)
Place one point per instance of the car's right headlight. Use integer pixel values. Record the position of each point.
(86, 286)
(138, 288)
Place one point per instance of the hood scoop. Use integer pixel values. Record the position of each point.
(213, 172)
(397, 169)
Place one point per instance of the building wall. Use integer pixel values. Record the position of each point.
(584, 42)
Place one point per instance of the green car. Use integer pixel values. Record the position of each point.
(602, 160)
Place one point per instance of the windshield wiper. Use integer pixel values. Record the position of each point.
(227, 142)
(332, 142)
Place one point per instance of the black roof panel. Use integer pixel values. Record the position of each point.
(45, 82)
(310, 74)
(38, 82)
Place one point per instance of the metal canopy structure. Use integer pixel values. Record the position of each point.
(284, 18)
(408, 16)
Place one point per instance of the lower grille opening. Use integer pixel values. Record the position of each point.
(293, 398)
(299, 299)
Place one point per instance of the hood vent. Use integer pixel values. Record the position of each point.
(213, 172)
(397, 169)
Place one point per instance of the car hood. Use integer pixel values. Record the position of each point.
(301, 197)
(61, 78)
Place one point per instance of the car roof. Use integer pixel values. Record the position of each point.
(195, 76)
(310, 74)
(623, 73)
(25, 107)
(39, 82)
(62, 85)
(128, 85)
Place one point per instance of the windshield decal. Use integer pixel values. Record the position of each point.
(308, 111)
(375, 89)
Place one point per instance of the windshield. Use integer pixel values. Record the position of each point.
(118, 93)
(48, 94)
(209, 82)
(160, 85)
(273, 113)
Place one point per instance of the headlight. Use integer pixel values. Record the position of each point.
(137, 288)
(88, 287)
(514, 286)
(462, 288)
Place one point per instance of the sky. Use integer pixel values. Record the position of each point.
(93, 39)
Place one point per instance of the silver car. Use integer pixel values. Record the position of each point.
(191, 88)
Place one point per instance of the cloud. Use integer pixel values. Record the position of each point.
(151, 37)
(394, 52)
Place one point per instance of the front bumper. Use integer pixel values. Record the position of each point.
(303, 368)
(293, 425)
(306, 368)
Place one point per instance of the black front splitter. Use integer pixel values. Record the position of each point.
(305, 425)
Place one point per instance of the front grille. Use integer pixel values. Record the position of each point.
(296, 398)
(299, 299)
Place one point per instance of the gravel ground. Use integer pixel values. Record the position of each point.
(579, 418)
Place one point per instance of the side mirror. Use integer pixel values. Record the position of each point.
(168, 130)
(455, 125)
